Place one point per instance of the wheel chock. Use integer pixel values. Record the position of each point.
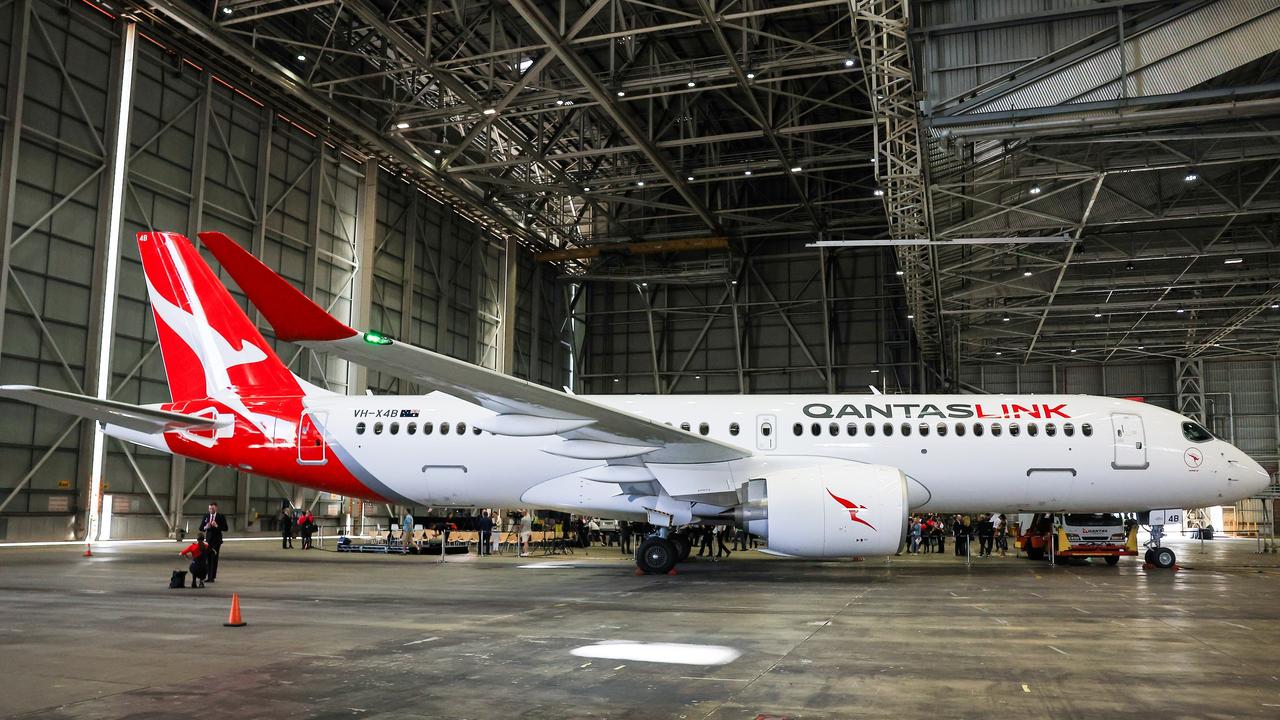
(672, 572)
(639, 572)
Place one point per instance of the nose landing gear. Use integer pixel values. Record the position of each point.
(1158, 555)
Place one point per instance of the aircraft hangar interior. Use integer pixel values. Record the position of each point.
(639, 358)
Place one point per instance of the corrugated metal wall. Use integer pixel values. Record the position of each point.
(203, 156)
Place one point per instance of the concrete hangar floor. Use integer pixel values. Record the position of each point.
(337, 635)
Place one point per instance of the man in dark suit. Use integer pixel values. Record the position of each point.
(486, 532)
(213, 525)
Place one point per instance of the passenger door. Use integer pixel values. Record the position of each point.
(312, 448)
(1130, 442)
(766, 432)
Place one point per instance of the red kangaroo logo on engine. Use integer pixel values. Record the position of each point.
(853, 509)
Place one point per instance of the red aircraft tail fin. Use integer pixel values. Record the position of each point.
(210, 346)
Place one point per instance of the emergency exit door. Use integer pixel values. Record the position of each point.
(1130, 440)
(766, 432)
(312, 448)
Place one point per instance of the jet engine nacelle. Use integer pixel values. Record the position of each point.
(829, 510)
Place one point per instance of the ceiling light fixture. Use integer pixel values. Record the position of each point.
(1035, 190)
(560, 101)
(746, 172)
(899, 273)
(402, 125)
(1180, 310)
(878, 192)
(797, 169)
(850, 62)
(1097, 313)
(690, 178)
(437, 151)
(490, 111)
(226, 11)
(622, 93)
(302, 58)
(1233, 261)
(691, 84)
(639, 183)
(1026, 273)
(1191, 177)
(1006, 318)
(751, 75)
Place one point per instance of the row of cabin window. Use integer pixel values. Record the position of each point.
(869, 429)
(705, 428)
(393, 428)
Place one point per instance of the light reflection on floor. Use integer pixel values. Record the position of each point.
(674, 653)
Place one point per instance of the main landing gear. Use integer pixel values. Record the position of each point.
(659, 553)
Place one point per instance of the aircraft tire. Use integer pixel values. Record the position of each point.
(683, 547)
(1113, 560)
(1163, 558)
(1147, 556)
(656, 556)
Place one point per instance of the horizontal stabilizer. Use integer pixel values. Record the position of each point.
(134, 417)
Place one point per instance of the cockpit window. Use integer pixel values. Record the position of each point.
(1195, 433)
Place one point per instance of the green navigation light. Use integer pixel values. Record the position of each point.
(377, 338)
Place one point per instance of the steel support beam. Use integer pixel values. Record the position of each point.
(107, 256)
(366, 239)
(510, 304)
(11, 141)
(543, 28)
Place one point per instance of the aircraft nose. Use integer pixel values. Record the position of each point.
(1255, 477)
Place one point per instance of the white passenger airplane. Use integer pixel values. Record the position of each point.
(816, 475)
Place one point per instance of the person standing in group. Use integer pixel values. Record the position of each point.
(721, 548)
(306, 526)
(917, 531)
(704, 535)
(486, 532)
(198, 551)
(286, 521)
(213, 525)
(985, 535)
(1000, 528)
(526, 533)
(406, 527)
(624, 536)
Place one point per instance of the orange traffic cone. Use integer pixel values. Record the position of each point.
(87, 551)
(235, 619)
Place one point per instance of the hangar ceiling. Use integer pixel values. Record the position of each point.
(1146, 131)
(595, 122)
(1162, 159)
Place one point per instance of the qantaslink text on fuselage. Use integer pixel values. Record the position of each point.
(951, 411)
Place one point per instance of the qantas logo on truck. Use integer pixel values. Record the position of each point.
(852, 507)
(955, 411)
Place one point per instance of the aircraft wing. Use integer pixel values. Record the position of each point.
(134, 417)
(591, 430)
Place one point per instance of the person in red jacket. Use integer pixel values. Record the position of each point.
(198, 551)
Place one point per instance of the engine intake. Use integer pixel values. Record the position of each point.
(828, 510)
